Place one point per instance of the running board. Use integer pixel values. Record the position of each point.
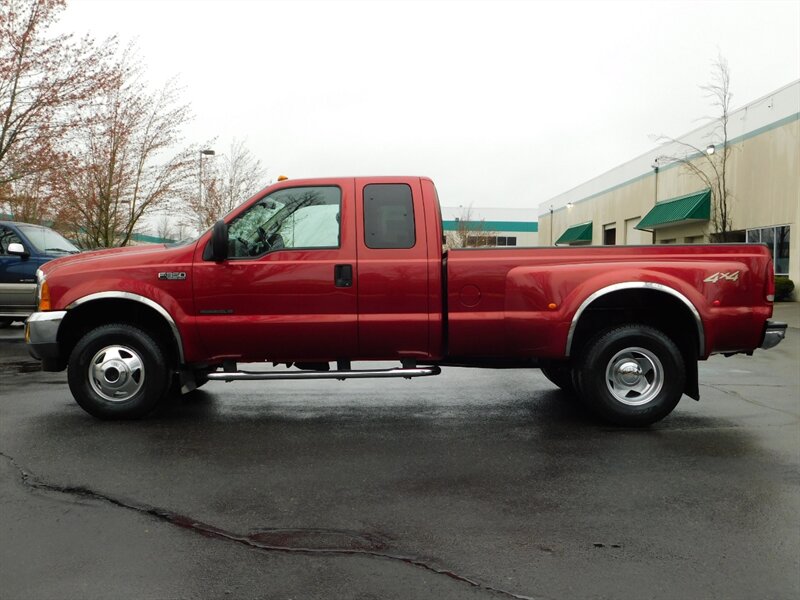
(350, 374)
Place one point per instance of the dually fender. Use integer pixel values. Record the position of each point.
(119, 295)
(633, 285)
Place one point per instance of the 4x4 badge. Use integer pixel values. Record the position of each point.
(733, 276)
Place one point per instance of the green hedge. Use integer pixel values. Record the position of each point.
(783, 288)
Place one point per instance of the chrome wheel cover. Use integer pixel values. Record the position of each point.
(634, 376)
(116, 373)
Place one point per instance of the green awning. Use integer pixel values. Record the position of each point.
(577, 234)
(677, 211)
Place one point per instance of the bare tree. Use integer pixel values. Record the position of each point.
(232, 179)
(27, 198)
(165, 229)
(122, 163)
(469, 233)
(44, 80)
(710, 164)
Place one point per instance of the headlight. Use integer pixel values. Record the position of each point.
(42, 292)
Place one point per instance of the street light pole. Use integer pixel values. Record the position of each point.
(551, 224)
(205, 152)
(656, 165)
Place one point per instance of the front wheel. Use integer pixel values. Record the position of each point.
(632, 375)
(118, 372)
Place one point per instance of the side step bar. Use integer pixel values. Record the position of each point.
(349, 374)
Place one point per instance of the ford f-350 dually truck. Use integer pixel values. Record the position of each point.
(319, 271)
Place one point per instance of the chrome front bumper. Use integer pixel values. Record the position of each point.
(41, 335)
(774, 332)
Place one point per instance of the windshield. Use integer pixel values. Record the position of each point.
(47, 240)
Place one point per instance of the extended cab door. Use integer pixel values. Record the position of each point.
(288, 290)
(393, 280)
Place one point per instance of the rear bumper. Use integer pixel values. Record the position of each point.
(774, 332)
(41, 335)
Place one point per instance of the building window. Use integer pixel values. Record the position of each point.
(488, 241)
(694, 239)
(506, 241)
(669, 241)
(777, 240)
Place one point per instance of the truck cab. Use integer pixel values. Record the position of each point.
(349, 263)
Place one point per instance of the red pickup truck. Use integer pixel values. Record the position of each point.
(320, 271)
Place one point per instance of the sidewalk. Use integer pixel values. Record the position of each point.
(787, 312)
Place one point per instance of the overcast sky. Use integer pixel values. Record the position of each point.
(502, 104)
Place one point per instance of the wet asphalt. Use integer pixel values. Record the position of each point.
(473, 484)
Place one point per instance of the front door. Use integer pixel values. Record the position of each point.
(288, 291)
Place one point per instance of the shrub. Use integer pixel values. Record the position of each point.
(783, 288)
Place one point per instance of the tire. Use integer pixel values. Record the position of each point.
(559, 373)
(632, 376)
(118, 371)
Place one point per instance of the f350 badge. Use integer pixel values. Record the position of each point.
(179, 275)
(732, 276)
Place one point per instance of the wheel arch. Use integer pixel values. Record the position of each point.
(121, 307)
(648, 303)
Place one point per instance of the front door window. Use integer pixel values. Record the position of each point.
(295, 218)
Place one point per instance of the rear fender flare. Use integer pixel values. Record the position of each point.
(631, 285)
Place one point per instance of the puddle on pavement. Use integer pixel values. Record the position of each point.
(21, 366)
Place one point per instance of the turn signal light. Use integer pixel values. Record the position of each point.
(769, 283)
(282, 178)
(44, 297)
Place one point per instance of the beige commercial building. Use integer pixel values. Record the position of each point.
(657, 198)
(489, 227)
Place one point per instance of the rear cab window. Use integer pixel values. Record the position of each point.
(388, 216)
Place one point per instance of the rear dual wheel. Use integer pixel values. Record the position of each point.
(632, 375)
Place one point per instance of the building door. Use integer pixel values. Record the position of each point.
(610, 235)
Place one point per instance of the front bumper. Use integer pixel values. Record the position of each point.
(41, 335)
(774, 332)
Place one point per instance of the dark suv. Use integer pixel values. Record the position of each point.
(23, 249)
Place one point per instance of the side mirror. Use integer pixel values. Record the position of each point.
(219, 241)
(17, 249)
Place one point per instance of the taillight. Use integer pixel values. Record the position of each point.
(769, 283)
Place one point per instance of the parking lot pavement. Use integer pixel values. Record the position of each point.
(787, 312)
(475, 483)
(14, 333)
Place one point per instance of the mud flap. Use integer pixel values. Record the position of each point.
(692, 388)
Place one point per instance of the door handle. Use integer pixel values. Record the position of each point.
(343, 275)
